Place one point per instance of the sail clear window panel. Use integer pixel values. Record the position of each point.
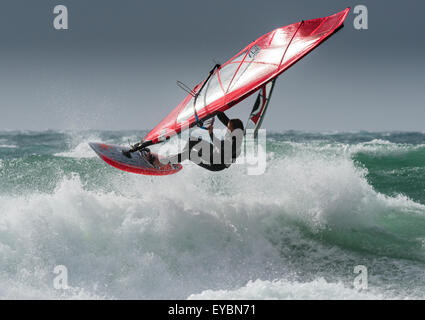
(253, 72)
(272, 55)
(211, 92)
(227, 72)
(241, 71)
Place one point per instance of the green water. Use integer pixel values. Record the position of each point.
(326, 202)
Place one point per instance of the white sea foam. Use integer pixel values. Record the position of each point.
(4, 144)
(82, 150)
(289, 290)
(197, 234)
(8, 146)
(78, 146)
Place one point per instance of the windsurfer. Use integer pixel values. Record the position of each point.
(215, 156)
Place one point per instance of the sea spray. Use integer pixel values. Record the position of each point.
(297, 231)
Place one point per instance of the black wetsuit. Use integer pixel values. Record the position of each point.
(216, 149)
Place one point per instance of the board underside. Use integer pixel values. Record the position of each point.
(137, 163)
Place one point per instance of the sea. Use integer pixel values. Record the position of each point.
(334, 215)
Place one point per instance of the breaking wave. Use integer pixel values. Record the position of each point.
(297, 231)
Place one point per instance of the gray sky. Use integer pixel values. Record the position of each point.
(116, 66)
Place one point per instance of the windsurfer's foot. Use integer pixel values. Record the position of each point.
(153, 160)
(126, 153)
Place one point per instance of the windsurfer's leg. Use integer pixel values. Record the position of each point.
(208, 159)
(202, 153)
(184, 155)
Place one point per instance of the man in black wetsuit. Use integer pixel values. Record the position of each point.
(215, 156)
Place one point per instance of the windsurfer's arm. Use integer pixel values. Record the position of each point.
(223, 118)
(215, 141)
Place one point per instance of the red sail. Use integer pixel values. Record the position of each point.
(261, 61)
